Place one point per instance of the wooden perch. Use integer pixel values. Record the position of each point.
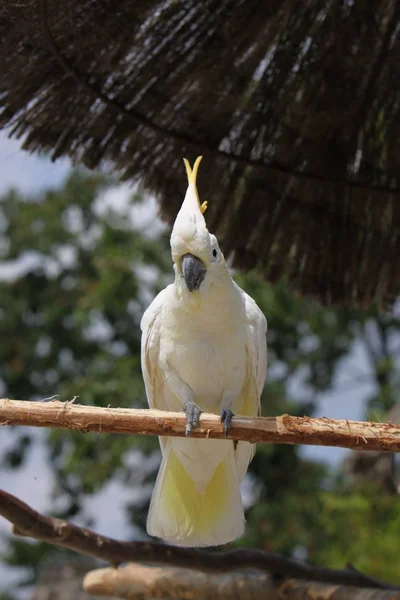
(138, 581)
(280, 430)
(30, 523)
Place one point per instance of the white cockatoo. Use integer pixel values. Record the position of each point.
(203, 349)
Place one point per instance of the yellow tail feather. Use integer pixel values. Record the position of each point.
(179, 514)
(180, 494)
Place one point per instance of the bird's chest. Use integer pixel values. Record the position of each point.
(208, 354)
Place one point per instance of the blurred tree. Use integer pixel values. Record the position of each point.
(78, 271)
(79, 276)
(358, 525)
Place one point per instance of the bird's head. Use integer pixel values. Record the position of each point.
(198, 261)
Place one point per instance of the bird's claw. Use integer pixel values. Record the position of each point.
(226, 419)
(193, 413)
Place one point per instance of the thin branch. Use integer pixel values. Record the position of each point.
(280, 430)
(30, 523)
(140, 581)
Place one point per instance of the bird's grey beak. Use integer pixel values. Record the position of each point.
(194, 271)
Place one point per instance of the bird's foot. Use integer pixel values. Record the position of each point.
(193, 413)
(226, 419)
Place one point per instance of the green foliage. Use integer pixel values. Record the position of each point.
(361, 526)
(71, 321)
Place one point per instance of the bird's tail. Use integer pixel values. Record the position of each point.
(179, 514)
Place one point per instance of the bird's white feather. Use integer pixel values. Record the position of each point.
(209, 347)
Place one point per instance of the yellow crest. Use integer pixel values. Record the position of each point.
(192, 176)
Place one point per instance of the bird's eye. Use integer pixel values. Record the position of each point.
(214, 253)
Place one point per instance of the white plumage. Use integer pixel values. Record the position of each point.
(206, 346)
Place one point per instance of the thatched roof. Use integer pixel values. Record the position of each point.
(294, 105)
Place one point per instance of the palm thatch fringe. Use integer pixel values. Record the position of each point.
(295, 106)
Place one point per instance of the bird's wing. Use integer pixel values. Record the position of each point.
(257, 345)
(257, 372)
(150, 326)
(152, 376)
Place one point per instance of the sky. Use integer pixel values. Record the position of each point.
(33, 483)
